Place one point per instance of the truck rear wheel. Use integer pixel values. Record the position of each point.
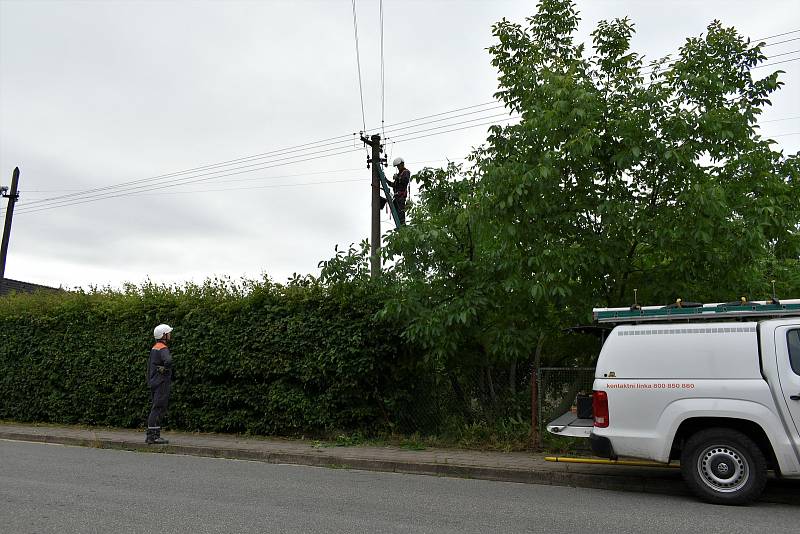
(724, 466)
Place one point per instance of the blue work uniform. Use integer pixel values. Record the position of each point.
(159, 379)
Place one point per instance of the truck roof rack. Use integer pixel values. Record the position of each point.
(699, 312)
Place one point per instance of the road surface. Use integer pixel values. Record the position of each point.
(58, 489)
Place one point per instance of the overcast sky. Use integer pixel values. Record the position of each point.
(94, 94)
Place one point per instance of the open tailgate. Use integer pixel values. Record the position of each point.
(570, 425)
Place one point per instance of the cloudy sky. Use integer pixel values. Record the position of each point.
(174, 98)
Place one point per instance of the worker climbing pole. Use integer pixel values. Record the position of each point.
(399, 183)
(397, 204)
(396, 201)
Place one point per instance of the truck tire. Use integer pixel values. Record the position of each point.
(723, 466)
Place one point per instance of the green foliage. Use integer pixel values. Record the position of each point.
(254, 357)
(621, 174)
(351, 266)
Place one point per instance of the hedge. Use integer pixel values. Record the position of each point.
(254, 357)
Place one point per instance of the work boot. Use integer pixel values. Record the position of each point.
(154, 437)
(159, 440)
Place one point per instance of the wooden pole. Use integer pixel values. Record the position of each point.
(12, 199)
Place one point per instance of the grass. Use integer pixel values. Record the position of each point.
(509, 435)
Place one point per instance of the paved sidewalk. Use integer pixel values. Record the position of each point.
(530, 468)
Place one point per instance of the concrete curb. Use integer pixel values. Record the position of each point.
(778, 491)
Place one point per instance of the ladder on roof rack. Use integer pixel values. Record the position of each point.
(754, 309)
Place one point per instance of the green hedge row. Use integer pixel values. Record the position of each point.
(256, 357)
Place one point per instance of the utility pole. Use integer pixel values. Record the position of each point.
(12, 199)
(375, 239)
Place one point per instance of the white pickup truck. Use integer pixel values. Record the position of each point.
(715, 386)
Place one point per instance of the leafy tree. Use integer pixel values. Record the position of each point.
(620, 174)
(623, 174)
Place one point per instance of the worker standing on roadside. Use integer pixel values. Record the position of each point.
(159, 379)
(399, 185)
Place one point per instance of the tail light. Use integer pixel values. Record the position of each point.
(600, 408)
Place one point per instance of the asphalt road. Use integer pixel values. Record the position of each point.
(58, 489)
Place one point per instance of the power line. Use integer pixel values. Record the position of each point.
(260, 178)
(496, 116)
(445, 119)
(275, 177)
(206, 167)
(295, 184)
(103, 196)
(781, 42)
(312, 145)
(301, 150)
(493, 123)
(383, 83)
(213, 174)
(766, 45)
(776, 35)
(257, 166)
(358, 62)
(146, 192)
(190, 179)
(251, 188)
(175, 183)
(776, 63)
(785, 53)
(440, 114)
(783, 119)
(644, 73)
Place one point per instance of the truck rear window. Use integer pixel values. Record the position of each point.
(793, 340)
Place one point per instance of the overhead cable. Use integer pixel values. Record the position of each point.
(272, 177)
(358, 63)
(783, 119)
(785, 53)
(492, 123)
(82, 200)
(781, 42)
(446, 118)
(496, 116)
(776, 35)
(156, 178)
(383, 84)
(776, 63)
(192, 178)
(440, 114)
(299, 150)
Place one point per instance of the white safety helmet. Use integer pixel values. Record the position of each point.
(161, 331)
(398, 161)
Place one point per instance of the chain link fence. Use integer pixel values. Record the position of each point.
(491, 401)
(445, 400)
(557, 388)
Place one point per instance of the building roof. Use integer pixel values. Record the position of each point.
(8, 285)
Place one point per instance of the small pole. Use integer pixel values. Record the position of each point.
(12, 199)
